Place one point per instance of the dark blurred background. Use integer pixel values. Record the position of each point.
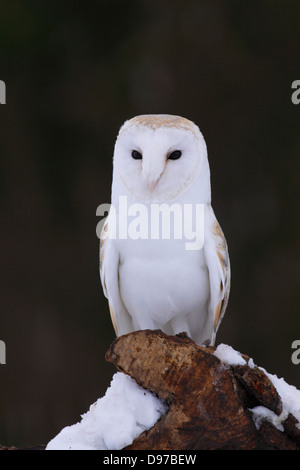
(74, 72)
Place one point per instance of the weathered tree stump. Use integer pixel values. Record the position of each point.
(208, 400)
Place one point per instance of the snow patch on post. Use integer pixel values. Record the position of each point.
(290, 395)
(113, 421)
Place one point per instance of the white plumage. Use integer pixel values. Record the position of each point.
(155, 283)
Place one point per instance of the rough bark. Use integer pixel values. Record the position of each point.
(208, 400)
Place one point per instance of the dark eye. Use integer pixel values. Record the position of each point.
(175, 155)
(136, 155)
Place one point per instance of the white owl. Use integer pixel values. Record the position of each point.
(157, 283)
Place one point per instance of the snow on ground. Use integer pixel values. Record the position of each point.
(113, 421)
(290, 395)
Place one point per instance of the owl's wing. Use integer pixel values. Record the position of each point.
(109, 275)
(218, 264)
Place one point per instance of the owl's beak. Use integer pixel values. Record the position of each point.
(152, 184)
(152, 172)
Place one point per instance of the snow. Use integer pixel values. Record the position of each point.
(113, 421)
(261, 413)
(290, 395)
(126, 410)
(229, 356)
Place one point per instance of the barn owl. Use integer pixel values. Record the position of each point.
(155, 282)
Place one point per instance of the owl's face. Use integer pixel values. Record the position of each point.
(158, 156)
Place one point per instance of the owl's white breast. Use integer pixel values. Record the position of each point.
(161, 280)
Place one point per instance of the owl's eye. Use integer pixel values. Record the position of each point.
(136, 155)
(175, 155)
